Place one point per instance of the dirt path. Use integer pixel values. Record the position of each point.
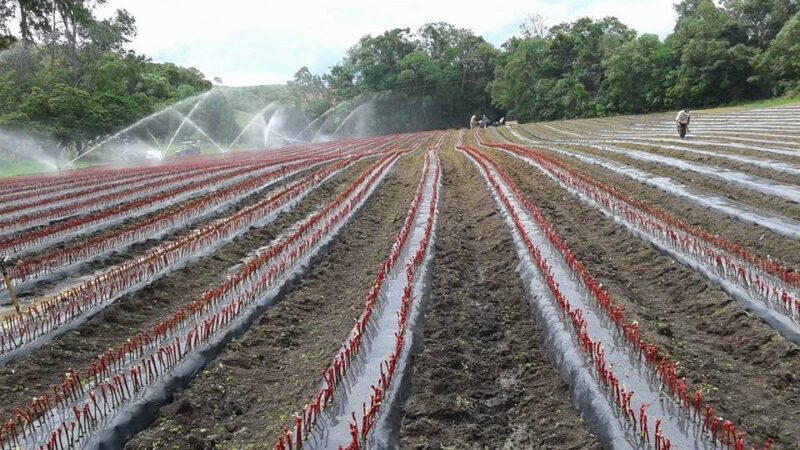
(757, 239)
(259, 382)
(746, 370)
(483, 381)
(33, 374)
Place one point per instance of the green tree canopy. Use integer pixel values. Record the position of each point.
(67, 74)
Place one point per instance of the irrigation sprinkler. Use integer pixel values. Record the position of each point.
(7, 281)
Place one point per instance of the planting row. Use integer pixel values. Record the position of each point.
(43, 236)
(765, 286)
(633, 395)
(43, 189)
(774, 126)
(34, 239)
(741, 141)
(51, 317)
(100, 193)
(48, 263)
(21, 192)
(783, 169)
(698, 145)
(742, 180)
(482, 378)
(158, 193)
(358, 384)
(723, 205)
(693, 321)
(261, 380)
(101, 406)
(54, 316)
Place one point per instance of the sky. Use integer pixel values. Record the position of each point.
(250, 42)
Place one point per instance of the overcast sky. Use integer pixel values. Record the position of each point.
(247, 42)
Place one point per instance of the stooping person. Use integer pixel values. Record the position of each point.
(682, 120)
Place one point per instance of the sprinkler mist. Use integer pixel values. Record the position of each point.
(258, 116)
(321, 117)
(187, 118)
(221, 120)
(18, 146)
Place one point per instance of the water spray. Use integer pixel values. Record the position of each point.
(187, 117)
(252, 121)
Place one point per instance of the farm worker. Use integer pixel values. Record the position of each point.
(473, 122)
(485, 121)
(682, 120)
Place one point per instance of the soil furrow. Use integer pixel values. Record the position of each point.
(745, 369)
(708, 160)
(260, 381)
(483, 379)
(755, 238)
(33, 374)
(139, 248)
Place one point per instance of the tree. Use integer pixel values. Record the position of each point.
(432, 78)
(534, 26)
(7, 11)
(309, 92)
(714, 60)
(373, 62)
(779, 66)
(34, 17)
(85, 84)
(762, 19)
(635, 76)
(559, 75)
(522, 83)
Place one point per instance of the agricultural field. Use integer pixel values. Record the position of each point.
(594, 283)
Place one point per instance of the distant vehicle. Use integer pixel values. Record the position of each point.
(188, 148)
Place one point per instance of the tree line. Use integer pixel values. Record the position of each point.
(66, 74)
(719, 53)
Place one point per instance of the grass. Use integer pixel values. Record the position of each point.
(15, 168)
(769, 103)
(18, 168)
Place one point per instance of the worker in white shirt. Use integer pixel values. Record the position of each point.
(683, 122)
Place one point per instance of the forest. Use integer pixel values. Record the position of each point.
(69, 75)
(718, 53)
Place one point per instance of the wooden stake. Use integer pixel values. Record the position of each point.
(9, 287)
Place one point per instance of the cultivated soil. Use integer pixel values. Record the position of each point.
(257, 385)
(483, 379)
(704, 182)
(747, 372)
(32, 375)
(715, 161)
(757, 239)
(139, 248)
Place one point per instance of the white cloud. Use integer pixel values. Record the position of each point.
(256, 42)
